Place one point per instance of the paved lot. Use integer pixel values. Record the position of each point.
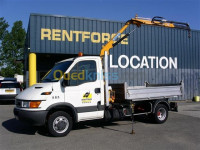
(181, 131)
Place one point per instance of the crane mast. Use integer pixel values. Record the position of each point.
(138, 21)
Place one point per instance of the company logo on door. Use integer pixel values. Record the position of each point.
(87, 97)
(137, 62)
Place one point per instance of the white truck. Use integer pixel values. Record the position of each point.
(76, 90)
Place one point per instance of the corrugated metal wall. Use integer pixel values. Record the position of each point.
(145, 41)
(156, 41)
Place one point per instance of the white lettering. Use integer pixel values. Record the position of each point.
(151, 59)
(111, 65)
(131, 62)
(161, 62)
(144, 62)
(174, 63)
(156, 62)
(136, 62)
(120, 62)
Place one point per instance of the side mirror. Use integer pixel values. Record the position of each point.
(65, 81)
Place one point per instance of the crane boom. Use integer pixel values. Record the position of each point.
(138, 21)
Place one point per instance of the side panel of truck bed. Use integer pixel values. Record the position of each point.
(147, 92)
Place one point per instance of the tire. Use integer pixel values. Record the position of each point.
(161, 114)
(107, 116)
(115, 114)
(59, 124)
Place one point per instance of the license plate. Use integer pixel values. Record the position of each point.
(9, 91)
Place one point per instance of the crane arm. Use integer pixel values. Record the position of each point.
(138, 21)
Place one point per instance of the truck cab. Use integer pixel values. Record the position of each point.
(74, 85)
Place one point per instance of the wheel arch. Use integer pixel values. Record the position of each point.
(162, 101)
(63, 106)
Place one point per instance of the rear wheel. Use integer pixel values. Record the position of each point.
(161, 113)
(59, 124)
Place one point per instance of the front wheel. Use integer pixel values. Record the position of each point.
(59, 124)
(161, 113)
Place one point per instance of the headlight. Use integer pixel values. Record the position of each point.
(25, 104)
(30, 104)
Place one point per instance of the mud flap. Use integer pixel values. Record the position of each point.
(173, 106)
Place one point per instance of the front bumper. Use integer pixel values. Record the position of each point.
(35, 118)
(7, 97)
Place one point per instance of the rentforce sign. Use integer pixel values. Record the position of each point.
(137, 62)
(78, 36)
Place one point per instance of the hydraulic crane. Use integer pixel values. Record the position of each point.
(138, 21)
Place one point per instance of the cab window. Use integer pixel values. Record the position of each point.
(83, 72)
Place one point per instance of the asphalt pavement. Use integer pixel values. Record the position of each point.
(180, 132)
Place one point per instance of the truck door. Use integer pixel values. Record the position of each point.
(84, 90)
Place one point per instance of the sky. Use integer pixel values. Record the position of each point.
(117, 10)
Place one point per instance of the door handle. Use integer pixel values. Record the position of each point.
(97, 90)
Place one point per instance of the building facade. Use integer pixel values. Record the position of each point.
(157, 55)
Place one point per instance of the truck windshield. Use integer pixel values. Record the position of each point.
(56, 73)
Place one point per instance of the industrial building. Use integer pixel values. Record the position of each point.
(154, 54)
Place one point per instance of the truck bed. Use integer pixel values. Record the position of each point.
(147, 92)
